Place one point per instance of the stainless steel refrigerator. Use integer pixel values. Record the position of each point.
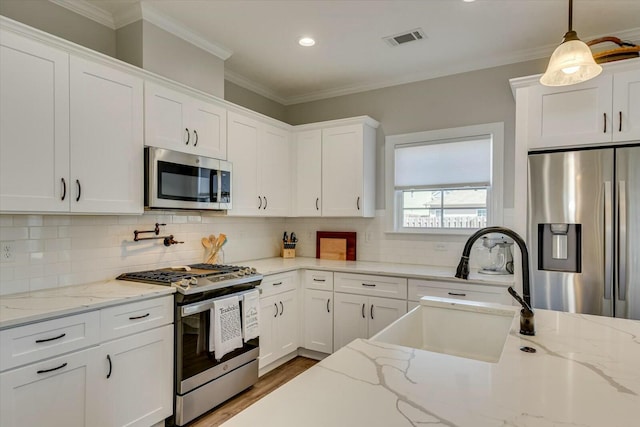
(584, 230)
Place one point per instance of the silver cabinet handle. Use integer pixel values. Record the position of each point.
(608, 233)
(622, 240)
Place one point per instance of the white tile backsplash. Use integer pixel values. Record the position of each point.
(61, 250)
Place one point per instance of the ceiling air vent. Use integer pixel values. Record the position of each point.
(405, 37)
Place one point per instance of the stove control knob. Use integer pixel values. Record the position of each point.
(240, 273)
(193, 281)
(253, 270)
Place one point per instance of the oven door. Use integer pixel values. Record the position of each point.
(180, 180)
(195, 364)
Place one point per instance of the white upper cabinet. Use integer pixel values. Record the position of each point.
(71, 132)
(308, 183)
(182, 122)
(602, 110)
(34, 126)
(348, 165)
(106, 139)
(335, 168)
(261, 158)
(626, 105)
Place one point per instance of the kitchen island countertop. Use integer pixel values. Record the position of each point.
(586, 372)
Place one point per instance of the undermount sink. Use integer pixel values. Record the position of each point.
(468, 329)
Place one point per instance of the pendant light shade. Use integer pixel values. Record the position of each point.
(572, 62)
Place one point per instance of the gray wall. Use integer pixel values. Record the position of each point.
(170, 56)
(129, 43)
(253, 101)
(61, 22)
(476, 97)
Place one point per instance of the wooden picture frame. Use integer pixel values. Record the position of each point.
(338, 245)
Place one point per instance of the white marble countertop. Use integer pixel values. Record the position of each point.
(34, 306)
(586, 372)
(19, 309)
(414, 271)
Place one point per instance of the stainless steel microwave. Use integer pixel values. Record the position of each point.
(175, 180)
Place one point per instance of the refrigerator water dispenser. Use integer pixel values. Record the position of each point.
(559, 247)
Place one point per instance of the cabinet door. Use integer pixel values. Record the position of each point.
(136, 379)
(274, 171)
(350, 319)
(106, 139)
(342, 171)
(51, 393)
(287, 323)
(318, 320)
(383, 312)
(571, 115)
(209, 129)
(308, 182)
(165, 113)
(269, 312)
(34, 126)
(242, 151)
(626, 106)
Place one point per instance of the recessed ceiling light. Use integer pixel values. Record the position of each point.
(306, 41)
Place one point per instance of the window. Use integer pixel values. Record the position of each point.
(445, 180)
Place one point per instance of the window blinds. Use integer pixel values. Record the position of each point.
(447, 164)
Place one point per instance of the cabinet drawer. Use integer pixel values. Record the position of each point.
(38, 341)
(321, 280)
(472, 292)
(278, 283)
(135, 317)
(364, 284)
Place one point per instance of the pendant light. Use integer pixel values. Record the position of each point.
(572, 62)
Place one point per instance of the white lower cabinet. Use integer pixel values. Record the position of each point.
(54, 393)
(125, 380)
(318, 320)
(360, 316)
(278, 326)
(135, 374)
(419, 288)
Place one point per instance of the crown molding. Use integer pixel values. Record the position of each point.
(246, 83)
(127, 16)
(88, 10)
(151, 14)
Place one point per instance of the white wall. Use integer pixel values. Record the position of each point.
(60, 250)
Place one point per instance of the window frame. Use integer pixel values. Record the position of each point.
(495, 192)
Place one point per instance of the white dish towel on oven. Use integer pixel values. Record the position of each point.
(225, 332)
(251, 315)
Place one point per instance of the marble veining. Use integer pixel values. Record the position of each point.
(585, 373)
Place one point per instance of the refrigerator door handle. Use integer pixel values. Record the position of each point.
(608, 235)
(622, 241)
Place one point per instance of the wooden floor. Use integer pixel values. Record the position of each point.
(265, 385)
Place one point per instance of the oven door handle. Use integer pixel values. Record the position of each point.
(199, 307)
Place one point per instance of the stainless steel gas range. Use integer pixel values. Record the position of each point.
(202, 381)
